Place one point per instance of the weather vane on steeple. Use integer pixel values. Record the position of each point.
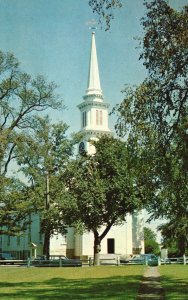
(92, 24)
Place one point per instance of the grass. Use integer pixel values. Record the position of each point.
(174, 279)
(104, 282)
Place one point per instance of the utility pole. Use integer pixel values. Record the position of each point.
(47, 191)
(2, 205)
(46, 248)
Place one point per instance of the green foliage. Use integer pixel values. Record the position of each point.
(98, 184)
(173, 251)
(153, 116)
(104, 9)
(149, 234)
(42, 158)
(21, 99)
(15, 207)
(102, 188)
(151, 245)
(174, 234)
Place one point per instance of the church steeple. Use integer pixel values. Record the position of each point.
(93, 110)
(93, 87)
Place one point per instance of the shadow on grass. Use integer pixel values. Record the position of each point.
(118, 287)
(150, 287)
(175, 288)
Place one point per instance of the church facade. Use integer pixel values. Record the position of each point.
(125, 239)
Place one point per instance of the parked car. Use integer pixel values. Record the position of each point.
(40, 257)
(151, 259)
(137, 259)
(69, 262)
(124, 259)
(56, 261)
(6, 257)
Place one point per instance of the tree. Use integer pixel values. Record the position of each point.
(21, 98)
(15, 207)
(174, 236)
(149, 234)
(151, 245)
(101, 190)
(104, 9)
(42, 158)
(154, 114)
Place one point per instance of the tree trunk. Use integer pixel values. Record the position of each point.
(182, 245)
(97, 249)
(97, 241)
(46, 247)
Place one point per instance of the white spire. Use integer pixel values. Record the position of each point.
(94, 87)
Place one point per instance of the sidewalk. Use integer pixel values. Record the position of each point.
(150, 287)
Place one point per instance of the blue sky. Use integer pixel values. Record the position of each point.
(52, 37)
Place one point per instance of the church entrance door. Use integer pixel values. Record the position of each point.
(111, 246)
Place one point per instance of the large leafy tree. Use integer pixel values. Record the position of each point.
(102, 189)
(21, 98)
(42, 158)
(154, 115)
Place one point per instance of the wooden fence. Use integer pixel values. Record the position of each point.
(89, 262)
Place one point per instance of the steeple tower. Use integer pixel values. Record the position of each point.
(94, 110)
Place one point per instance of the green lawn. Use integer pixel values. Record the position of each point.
(174, 279)
(104, 282)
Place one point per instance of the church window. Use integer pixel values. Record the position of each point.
(97, 117)
(100, 117)
(84, 119)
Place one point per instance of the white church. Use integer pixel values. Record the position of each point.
(121, 240)
(126, 239)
